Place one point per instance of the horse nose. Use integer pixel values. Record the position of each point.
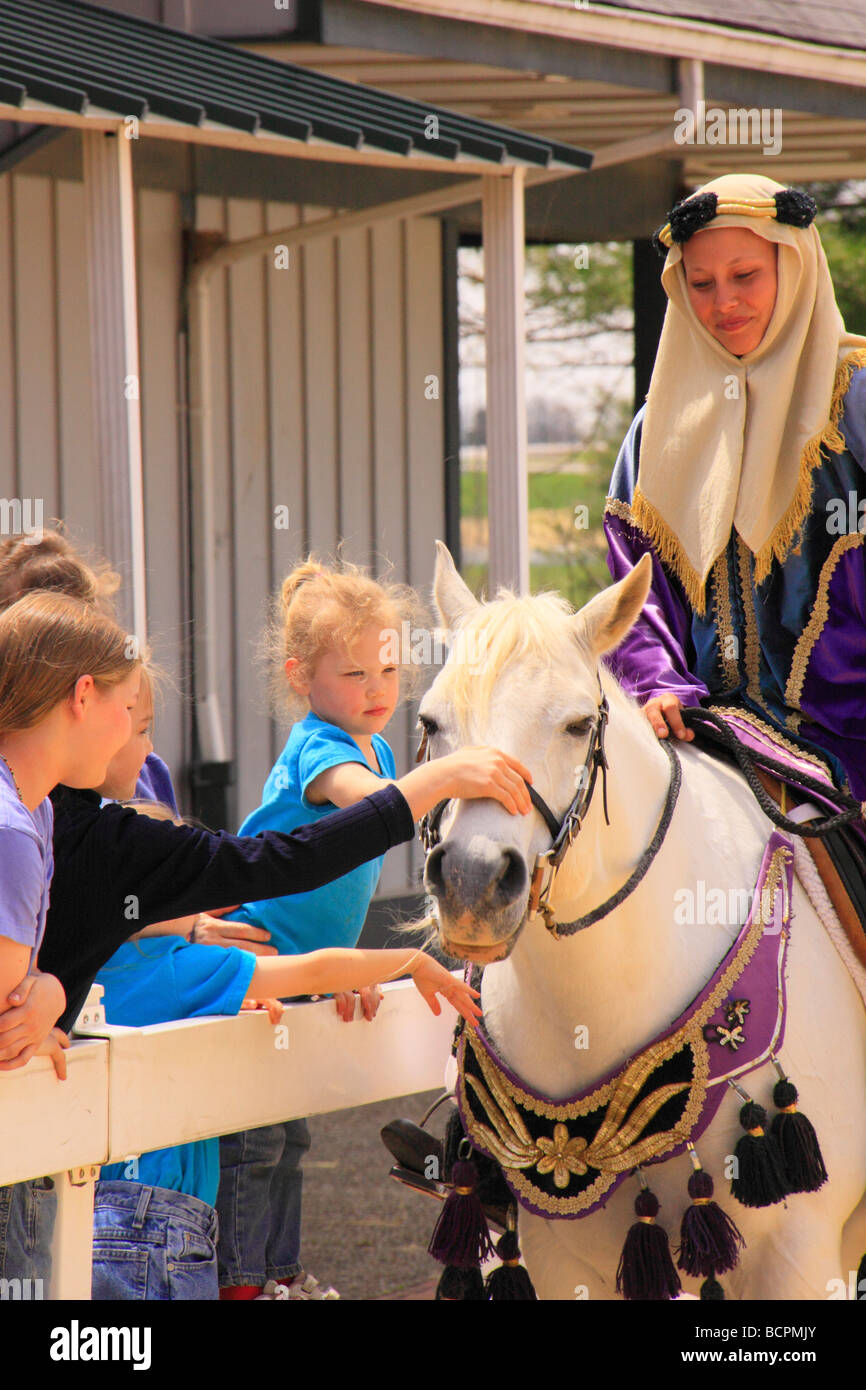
(495, 873)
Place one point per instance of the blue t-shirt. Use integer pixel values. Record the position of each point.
(26, 865)
(334, 914)
(158, 980)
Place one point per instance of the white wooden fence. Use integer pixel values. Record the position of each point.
(129, 1090)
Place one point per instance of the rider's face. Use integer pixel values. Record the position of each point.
(731, 281)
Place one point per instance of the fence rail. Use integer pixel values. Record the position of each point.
(129, 1090)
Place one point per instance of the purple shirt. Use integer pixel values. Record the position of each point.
(26, 865)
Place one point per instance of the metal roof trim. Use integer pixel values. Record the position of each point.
(223, 93)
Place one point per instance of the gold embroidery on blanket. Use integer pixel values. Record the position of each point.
(616, 1145)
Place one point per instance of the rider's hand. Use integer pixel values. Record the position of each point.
(663, 713)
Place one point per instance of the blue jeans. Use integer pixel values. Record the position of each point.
(259, 1203)
(27, 1214)
(151, 1243)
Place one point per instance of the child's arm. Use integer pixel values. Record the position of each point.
(338, 968)
(470, 772)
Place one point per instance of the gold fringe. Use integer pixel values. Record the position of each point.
(786, 530)
(669, 547)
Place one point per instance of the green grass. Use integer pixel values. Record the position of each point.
(551, 491)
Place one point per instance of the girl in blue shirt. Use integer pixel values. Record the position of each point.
(154, 1223)
(332, 663)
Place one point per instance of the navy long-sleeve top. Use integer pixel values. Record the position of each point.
(116, 871)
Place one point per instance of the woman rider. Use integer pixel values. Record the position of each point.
(741, 476)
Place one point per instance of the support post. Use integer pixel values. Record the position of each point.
(507, 479)
(110, 224)
(72, 1247)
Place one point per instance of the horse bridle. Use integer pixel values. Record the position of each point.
(563, 831)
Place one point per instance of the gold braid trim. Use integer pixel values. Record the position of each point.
(620, 509)
(815, 626)
(726, 638)
(785, 532)
(752, 656)
(772, 733)
(669, 547)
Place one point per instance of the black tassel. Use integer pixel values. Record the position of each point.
(797, 1141)
(510, 1282)
(760, 1179)
(646, 1270)
(460, 1236)
(710, 1243)
(460, 1286)
(712, 1291)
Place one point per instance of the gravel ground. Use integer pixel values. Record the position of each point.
(363, 1232)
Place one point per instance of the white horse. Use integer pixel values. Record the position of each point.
(627, 977)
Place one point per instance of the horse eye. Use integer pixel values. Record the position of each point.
(579, 728)
(429, 726)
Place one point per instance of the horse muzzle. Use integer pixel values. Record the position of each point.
(481, 890)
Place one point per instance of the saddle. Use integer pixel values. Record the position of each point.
(839, 853)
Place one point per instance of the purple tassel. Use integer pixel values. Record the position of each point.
(461, 1237)
(709, 1241)
(712, 1291)
(797, 1141)
(760, 1179)
(460, 1286)
(646, 1270)
(510, 1282)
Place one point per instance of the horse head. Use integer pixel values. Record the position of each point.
(522, 675)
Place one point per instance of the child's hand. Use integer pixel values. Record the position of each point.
(34, 1006)
(274, 1007)
(486, 772)
(54, 1047)
(430, 979)
(371, 997)
(211, 931)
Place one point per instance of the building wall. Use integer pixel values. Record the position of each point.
(320, 374)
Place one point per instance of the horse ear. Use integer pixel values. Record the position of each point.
(454, 599)
(603, 622)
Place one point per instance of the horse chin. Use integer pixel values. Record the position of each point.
(481, 951)
(479, 955)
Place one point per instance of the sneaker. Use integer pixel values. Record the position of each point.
(272, 1292)
(304, 1286)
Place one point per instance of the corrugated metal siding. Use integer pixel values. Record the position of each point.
(321, 408)
(320, 373)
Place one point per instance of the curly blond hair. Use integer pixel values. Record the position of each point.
(320, 607)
